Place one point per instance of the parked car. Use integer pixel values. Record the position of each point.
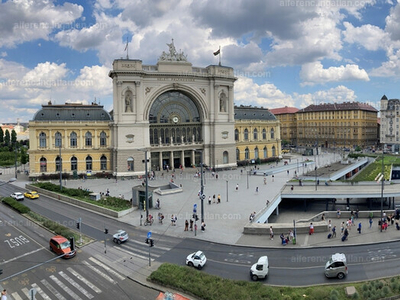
(260, 269)
(196, 259)
(31, 195)
(120, 236)
(336, 266)
(17, 196)
(62, 246)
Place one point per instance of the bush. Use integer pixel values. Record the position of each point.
(14, 204)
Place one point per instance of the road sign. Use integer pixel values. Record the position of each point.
(149, 234)
(194, 208)
(32, 293)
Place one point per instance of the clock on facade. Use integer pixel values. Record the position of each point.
(175, 119)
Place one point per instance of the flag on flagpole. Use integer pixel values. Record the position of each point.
(126, 47)
(217, 52)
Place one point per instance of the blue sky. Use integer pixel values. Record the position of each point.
(284, 53)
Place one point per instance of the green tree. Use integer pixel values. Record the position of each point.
(1, 136)
(24, 156)
(7, 138)
(13, 137)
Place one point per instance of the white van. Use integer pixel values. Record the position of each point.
(336, 266)
(260, 269)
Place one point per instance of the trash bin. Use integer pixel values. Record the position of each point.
(294, 241)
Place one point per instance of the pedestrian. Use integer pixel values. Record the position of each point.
(265, 180)
(214, 198)
(356, 214)
(287, 172)
(359, 228)
(237, 186)
(219, 198)
(291, 235)
(273, 177)
(323, 217)
(203, 226)
(311, 229)
(334, 231)
(370, 222)
(329, 225)
(186, 225)
(338, 213)
(209, 199)
(191, 224)
(267, 203)
(271, 233)
(342, 228)
(291, 189)
(256, 189)
(4, 295)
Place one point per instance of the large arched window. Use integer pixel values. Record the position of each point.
(130, 162)
(264, 134)
(88, 139)
(225, 157)
(74, 163)
(58, 164)
(73, 140)
(103, 163)
(256, 152)
(43, 164)
(236, 135)
(89, 162)
(237, 154)
(265, 152)
(246, 134)
(273, 151)
(255, 134)
(246, 153)
(103, 139)
(58, 140)
(42, 140)
(272, 133)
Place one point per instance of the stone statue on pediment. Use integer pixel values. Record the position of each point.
(172, 55)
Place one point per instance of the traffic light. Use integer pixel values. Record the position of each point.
(1, 271)
(151, 243)
(72, 242)
(78, 225)
(105, 230)
(146, 241)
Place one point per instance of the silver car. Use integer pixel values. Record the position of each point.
(336, 266)
(17, 196)
(120, 236)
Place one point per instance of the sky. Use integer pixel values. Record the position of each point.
(284, 53)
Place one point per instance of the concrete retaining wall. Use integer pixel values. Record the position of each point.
(83, 204)
(278, 228)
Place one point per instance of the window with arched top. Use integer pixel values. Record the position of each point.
(236, 135)
(273, 151)
(58, 140)
(272, 133)
(103, 139)
(255, 134)
(246, 134)
(88, 139)
(103, 163)
(73, 140)
(246, 153)
(264, 134)
(43, 164)
(74, 163)
(130, 166)
(237, 154)
(265, 152)
(256, 152)
(225, 157)
(42, 140)
(89, 162)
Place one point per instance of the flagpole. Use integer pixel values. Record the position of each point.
(127, 48)
(219, 49)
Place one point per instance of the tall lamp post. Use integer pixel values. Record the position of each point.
(60, 169)
(202, 196)
(146, 202)
(383, 179)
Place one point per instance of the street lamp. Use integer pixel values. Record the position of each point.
(202, 196)
(227, 189)
(60, 169)
(383, 179)
(146, 202)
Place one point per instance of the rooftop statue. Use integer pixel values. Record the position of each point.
(173, 55)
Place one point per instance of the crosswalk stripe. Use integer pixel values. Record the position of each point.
(16, 296)
(84, 280)
(52, 289)
(134, 254)
(141, 244)
(40, 291)
(105, 276)
(65, 288)
(136, 250)
(76, 285)
(26, 292)
(109, 270)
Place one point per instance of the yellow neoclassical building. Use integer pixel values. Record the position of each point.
(257, 133)
(72, 137)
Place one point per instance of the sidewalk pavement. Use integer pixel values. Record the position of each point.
(225, 221)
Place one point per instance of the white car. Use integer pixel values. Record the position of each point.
(120, 236)
(17, 196)
(196, 259)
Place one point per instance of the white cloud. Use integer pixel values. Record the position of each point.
(314, 73)
(338, 94)
(393, 23)
(370, 37)
(390, 68)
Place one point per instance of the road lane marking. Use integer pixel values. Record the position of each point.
(23, 255)
(40, 291)
(52, 289)
(105, 276)
(76, 285)
(136, 255)
(87, 282)
(16, 296)
(109, 270)
(65, 288)
(26, 292)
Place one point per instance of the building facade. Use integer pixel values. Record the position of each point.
(288, 123)
(173, 113)
(332, 125)
(257, 133)
(390, 122)
(73, 138)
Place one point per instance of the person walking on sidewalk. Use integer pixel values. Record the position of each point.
(237, 187)
(271, 233)
(359, 228)
(334, 231)
(370, 222)
(186, 225)
(191, 224)
(219, 198)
